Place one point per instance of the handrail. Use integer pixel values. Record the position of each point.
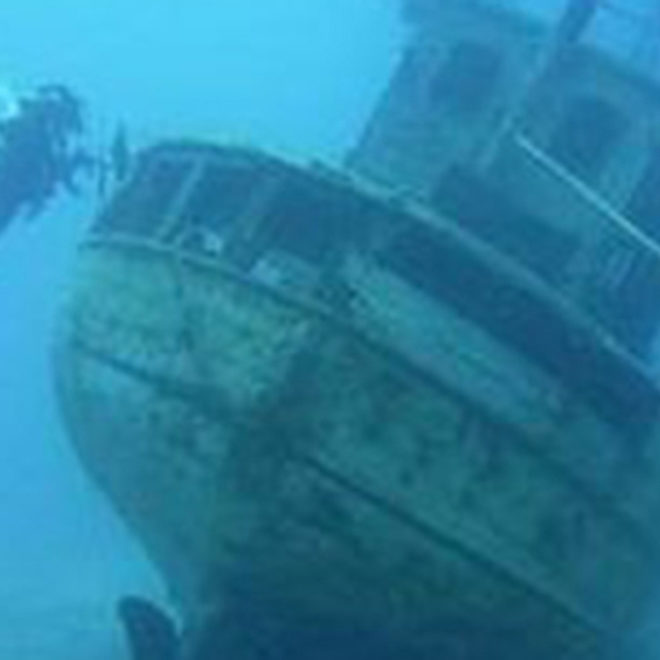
(588, 194)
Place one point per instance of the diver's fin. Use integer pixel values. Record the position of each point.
(150, 632)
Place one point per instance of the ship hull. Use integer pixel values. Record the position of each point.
(268, 453)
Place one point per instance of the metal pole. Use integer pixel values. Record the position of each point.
(571, 26)
(575, 21)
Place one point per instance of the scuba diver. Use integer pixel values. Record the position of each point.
(39, 152)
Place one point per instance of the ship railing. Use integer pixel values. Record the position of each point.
(614, 272)
(588, 195)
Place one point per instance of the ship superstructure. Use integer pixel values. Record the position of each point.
(540, 136)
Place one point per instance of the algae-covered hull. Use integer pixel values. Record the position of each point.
(328, 438)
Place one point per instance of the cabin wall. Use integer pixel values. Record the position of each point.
(450, 92)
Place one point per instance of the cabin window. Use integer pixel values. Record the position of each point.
(637, 309)
(480, 208)
(140, 206)
(625, 294)
(644, 205)
(314, 223)
(220, 195)
(586, 136)
(467, 78)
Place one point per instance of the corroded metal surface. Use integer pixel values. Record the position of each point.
(251, 440)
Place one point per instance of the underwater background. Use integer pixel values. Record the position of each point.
(299, 77)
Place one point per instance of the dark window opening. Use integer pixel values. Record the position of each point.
(140, 206)
(644, 206)
(478, 207)
(625, 297)
(221, 194)
(586, 136)
(467, 79)
(444, 269)
(315, 223)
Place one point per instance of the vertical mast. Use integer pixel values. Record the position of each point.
(570, 28)
(574, 21)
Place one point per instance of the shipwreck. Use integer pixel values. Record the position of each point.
(413, 401)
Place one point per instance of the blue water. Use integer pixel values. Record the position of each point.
(297, 76)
